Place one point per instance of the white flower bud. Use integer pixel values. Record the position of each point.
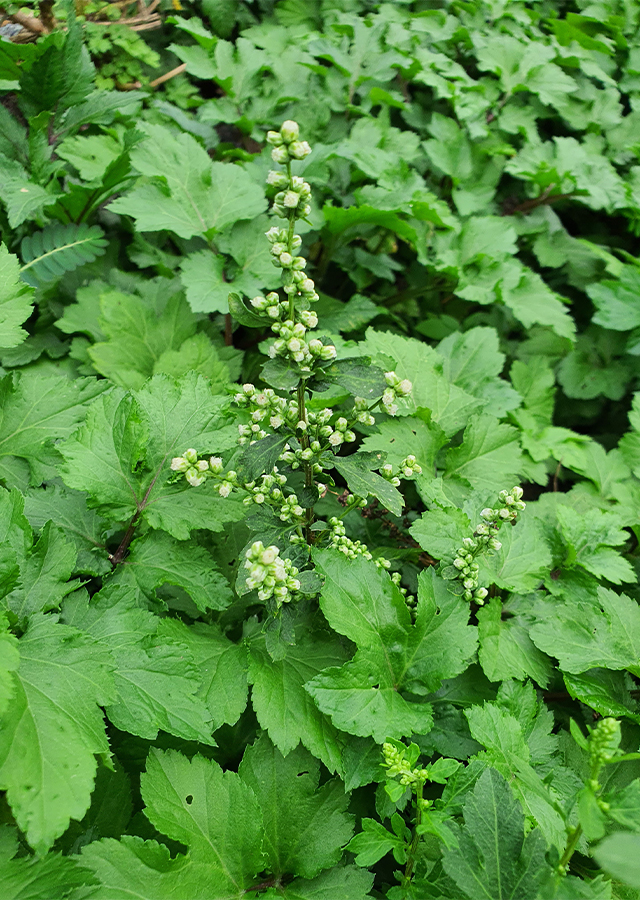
(274, 138)
(179, 464)
(299, 149)
(191, 456)
(194, 477)
(335, 439)
(280, 155)
(291, 200)
(290, 131)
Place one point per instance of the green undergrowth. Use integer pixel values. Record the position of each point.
(320, 456)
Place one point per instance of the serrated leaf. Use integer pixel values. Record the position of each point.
(489, 457)
(360, 601)
(450, 406)
(522, 562)
(304, 827)
(493, 859)
(187, 194)
(346, 882)
(507, 751)
(282, 705)
(202, 274)
(155, 679)
(15, 300)
(44, 574)
(37, 879)
(62, 75)
(53, 728)
(261, 456)
(38, 409)
(362, 699)
(358, 379)
(362, 481)
(91, 155)
(23, 198)
(57, 249)
(374, 842)
(583, 636)
(606, 692)
(147, 868)
(156, 559)
(137, 335)
(213, 812)
(617, 301)
(69, 512)
(589, 537)
(473, 362)
(222, 666)
(441, 531)
(196, 354)
(157, 423)
(506, 650)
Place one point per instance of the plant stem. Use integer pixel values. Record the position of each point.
(570, 849)
(413, 849)
(304, 443)
(119, 555)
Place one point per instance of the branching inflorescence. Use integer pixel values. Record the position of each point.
(312, 437)
(463, 574)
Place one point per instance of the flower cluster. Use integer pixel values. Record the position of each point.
(339, 541)
(465, 569)
(196, 471)
(396, 387)
(269, 490)
(408, 468)
(286, 143)
(292, 344)
(397, 765)
(270, 573)
(604, 743)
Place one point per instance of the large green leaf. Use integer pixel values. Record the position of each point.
(53, 728)
(36, 410)
(155, 678)
(15, 301)
(184, 191)
(305, 826)
(493, 859)
(214, 813)
(122, 456)
(282, 705)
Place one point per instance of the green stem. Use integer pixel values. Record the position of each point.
(304, 443)
(413, 849)
(570, 849)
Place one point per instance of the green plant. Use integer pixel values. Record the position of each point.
(274, 619)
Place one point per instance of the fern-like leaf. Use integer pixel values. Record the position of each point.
(57, 249)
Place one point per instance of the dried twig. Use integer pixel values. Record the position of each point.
(167, 75)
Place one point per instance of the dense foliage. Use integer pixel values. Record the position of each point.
(319, 561)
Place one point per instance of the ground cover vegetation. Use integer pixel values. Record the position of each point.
(320, 451)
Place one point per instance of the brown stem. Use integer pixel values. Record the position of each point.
(120, 553)
(228, 331)
(543, 200)
(167, 75)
